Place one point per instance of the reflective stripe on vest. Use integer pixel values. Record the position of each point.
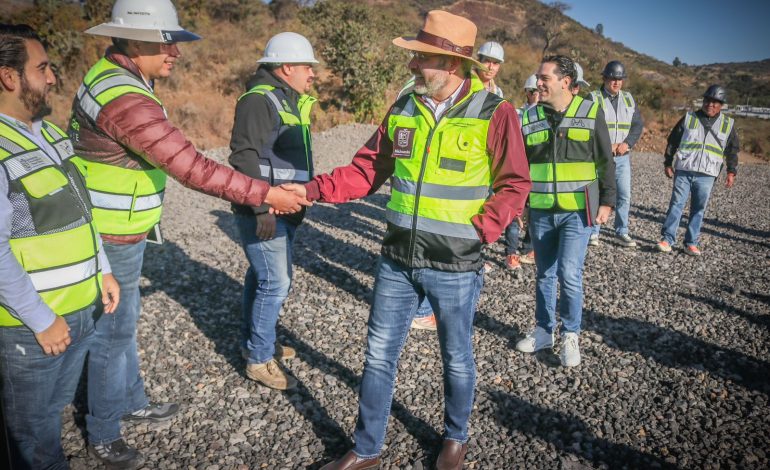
(618, 122)
(62, 260)
(442, 176)
(126, 201)
(700, 151)
(557, 182)
(288, 119)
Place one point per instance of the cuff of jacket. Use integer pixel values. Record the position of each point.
(313, 191)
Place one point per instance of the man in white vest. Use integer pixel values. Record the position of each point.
(625, 125)
(699, 146)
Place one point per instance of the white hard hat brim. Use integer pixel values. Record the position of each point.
(275, 60)
(146, 35)
(583, 83)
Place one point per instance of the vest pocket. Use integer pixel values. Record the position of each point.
(52, 203)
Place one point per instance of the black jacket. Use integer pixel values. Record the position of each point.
(256, 127)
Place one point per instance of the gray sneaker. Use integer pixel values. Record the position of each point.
(535, 340)
(593, 240)
(117, 455)
(627, 241)
(154, 412)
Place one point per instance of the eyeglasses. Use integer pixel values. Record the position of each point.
(422, 56)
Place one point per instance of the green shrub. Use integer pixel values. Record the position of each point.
(354, 41)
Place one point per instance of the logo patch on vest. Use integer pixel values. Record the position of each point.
(451, 164)
(402, 142)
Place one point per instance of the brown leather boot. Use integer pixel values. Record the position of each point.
(351, 461)
(452, 455)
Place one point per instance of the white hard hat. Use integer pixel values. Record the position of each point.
(144, 20)
(492, 50)
(580, 81)
(288, 48)
(531, 83)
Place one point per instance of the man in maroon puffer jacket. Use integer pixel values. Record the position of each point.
(126, 148)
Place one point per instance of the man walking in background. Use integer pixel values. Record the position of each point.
(624, 123)
(573, 186)
(271, 142)
(126, 148)
(698, 146)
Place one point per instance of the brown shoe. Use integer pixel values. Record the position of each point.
(282, 353)
(351, 461)
(529, 258)
(452, 455)
(271, 375)
(512, 262)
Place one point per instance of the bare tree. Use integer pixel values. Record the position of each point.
(549, 25)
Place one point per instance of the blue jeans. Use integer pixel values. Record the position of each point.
(115, 386)
(397, 293)
(37, 387)
(512, 238)
(686, 182)
(623, 202)
(560, 240)
(266, 285)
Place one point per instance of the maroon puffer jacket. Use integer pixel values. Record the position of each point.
(133, 132)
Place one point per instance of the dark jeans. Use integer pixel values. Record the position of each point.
(114, 384)
(37, 387)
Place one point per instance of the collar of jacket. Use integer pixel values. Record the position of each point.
(707, 121)
(120, 59)
(263, 77)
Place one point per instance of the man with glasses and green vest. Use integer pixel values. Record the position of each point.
(442, 147)
(126, 148)
(51, 262)
(271, 142)
(573, 187)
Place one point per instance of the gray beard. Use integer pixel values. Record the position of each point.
(431, 87)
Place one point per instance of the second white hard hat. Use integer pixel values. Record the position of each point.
(580, 80)
(288, 48)
(144, 20)
(492, 50)
(531, 83)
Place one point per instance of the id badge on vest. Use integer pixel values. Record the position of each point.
(403, 137)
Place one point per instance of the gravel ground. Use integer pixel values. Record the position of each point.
(675, 349)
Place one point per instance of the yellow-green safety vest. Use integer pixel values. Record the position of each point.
(561, 168)
(53, 237)
(290, 158)
(441, 180)
(126, 201)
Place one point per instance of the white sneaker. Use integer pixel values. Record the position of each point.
(593, 240)
(627, 241)
(535, 340)
(570, 350)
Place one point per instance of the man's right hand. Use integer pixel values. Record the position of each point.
(669, 172)
(54, 339)
(285, 202)
(265, 226)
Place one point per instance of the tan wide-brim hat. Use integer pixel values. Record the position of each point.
(444, 33)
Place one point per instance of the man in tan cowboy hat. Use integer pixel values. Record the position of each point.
(442, 146)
